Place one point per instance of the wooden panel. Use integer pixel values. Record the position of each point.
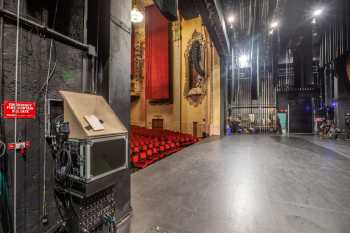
(195, 129)
(157, 124)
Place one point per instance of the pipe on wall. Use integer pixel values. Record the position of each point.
(27, 23)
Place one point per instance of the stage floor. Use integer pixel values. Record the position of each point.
(246, 184)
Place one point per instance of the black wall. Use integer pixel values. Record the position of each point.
(342, 91)
(114, 76)
(68, 76)
(301, 115)
(119, 85)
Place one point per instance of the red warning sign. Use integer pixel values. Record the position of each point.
(26, 110)
(19, 145)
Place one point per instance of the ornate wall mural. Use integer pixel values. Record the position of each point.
(138, 60)
(196, 70)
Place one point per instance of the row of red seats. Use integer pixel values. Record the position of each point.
(148, 145)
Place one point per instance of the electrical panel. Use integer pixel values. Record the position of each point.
(95, 214)
(89, 145)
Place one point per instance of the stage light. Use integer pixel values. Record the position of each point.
(334, 104)
(317, 12)
(307, 108)
(274, 24)
(136, 16)
(231, 19)
(243, 61)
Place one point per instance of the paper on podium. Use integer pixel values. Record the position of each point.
(78, 106)
(94, 122)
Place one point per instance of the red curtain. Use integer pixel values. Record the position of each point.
(157, 55)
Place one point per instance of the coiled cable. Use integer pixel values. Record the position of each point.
(2, 149)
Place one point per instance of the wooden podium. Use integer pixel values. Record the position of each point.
(77, 106)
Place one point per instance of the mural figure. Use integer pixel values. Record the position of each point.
(196, 83)
(197, 73)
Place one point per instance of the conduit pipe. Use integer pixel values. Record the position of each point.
(27, 23)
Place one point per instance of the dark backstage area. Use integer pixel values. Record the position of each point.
(174, 116)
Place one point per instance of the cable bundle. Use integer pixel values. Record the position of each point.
(5, 215)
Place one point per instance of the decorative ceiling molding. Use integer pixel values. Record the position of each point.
(188, 9)
(213, 18)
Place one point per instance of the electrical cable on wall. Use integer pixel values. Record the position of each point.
(5, 220)
(5, 215)
(50, 74)
(2, 149)
(15, 125)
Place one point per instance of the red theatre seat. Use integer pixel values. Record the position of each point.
(149, 145)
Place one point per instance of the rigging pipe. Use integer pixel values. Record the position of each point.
(27, 23)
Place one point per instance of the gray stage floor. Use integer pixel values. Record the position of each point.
(246, 184)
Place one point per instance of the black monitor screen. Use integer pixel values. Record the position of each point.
(107, 156)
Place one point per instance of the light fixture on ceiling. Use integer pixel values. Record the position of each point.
(317, 12)
(243, 61)
(274, 24)
(231, 19)
(136, 15)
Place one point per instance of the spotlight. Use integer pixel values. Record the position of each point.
(243, 61)
(274, 24)
(317, 12)
(136, 16)
(231, 19)
(334, 104)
